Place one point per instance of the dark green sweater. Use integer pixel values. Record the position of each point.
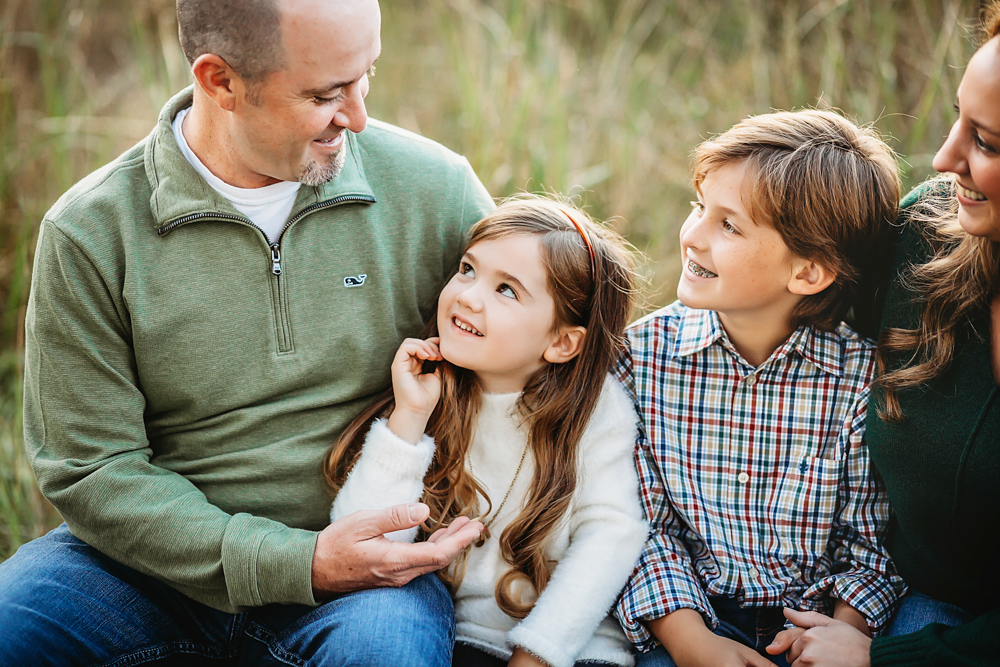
(941, 467)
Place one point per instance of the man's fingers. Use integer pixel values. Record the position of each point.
(397, 517)
(451, 529)
(807, 619)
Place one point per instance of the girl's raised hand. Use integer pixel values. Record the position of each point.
(416, 392)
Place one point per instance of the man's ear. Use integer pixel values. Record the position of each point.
(214, 76)
(566, 345)
(809, 277)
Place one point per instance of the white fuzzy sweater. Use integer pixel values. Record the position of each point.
(596, 545)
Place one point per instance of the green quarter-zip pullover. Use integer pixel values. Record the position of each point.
(184, 378)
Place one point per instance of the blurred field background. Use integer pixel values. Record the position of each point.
(601, 99)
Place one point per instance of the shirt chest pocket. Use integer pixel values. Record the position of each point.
(801, 507)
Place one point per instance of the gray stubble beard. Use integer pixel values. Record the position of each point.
(315, 173)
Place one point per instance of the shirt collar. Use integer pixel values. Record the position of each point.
(179, 191)
(700, 329)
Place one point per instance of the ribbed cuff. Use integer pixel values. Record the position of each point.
(910, 650)
(266, 562)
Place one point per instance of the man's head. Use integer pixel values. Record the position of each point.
(280, 81)
(829, 188)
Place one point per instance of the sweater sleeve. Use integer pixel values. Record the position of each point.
(867, 580)
(390, 471)
(86, 440)
(606, 535)
(974, 644)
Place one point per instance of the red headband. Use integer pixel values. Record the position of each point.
(586, 242)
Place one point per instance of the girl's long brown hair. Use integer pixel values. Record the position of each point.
(956, 284)
(556, 404)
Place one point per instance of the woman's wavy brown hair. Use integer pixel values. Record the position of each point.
(956, 284)
(556, 404)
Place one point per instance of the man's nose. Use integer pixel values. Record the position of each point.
(352, 113)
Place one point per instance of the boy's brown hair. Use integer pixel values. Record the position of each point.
(830, 189)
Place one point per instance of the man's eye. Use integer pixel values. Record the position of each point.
(507, 291)
(328, 100)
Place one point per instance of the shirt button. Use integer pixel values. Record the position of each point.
(743, 478)
(751, 380)
(753, 573)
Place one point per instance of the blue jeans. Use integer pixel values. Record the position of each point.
(62, 602)
(755, 627)
(917, 610)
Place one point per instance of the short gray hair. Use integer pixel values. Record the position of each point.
(244, 33)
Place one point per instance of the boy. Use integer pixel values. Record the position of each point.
(753, 392)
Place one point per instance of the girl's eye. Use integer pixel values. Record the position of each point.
(507, 291)
(698, 207)
(728, 227)
(466, 270)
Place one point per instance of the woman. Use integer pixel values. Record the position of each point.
(935, 435)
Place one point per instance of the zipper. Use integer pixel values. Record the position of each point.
(283, 330)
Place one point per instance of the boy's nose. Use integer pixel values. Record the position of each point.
(692, 230)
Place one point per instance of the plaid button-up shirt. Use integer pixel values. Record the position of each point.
(755, 481)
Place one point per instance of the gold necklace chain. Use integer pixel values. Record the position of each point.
(485, 535)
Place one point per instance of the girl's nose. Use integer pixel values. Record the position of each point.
(950, 157)
(469, 298)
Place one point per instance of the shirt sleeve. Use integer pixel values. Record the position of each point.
(864, 577)
(606, 536)
(86, 441)
(390, 471)
(664, 579)
(973, 644)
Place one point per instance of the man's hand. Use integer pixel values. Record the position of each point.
(352, 553)
(822, 641)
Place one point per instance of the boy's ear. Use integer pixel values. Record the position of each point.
(809, 277)
(566, 345)
(217, 79)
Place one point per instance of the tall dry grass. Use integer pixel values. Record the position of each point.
(599, 98)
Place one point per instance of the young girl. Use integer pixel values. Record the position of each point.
(524, 429)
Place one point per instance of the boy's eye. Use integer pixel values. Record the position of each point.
(507, 291)
(728, 227)
(466, 270)
(698, 207)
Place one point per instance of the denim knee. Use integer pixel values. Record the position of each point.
(413, 625)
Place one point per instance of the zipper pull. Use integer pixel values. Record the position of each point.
(275, 260)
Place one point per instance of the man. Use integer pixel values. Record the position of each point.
(207, 312)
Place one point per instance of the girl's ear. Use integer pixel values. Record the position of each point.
(566, 345)
(809, 277)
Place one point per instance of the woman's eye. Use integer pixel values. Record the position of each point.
(466, 270)
(983, 145)
(507, 291)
